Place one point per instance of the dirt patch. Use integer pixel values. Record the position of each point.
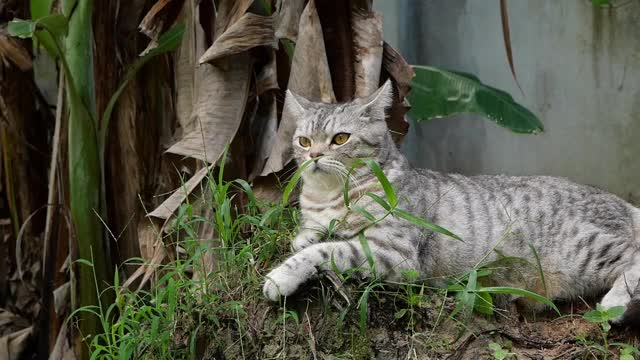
(321, 324)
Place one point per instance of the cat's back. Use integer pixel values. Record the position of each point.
(541, 203)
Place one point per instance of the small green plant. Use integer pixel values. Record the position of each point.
(602, 317)
(188, 300)
(413, 296)
(499, 353)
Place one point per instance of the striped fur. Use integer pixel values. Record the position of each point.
(587, 239)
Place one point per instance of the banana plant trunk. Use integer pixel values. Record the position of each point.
(85, 171)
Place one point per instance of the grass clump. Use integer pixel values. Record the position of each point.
(206, 288)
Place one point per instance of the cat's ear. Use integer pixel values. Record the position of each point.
(379, 101)
(295, 104)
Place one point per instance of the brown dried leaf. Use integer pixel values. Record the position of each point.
(12, 52)
(335, 17)
(186, 68)
(395, 67)
(12, 345)
(61, 349)
(398, 69)
(266, 124)
(221, 100)
(61, 298)
(171, 204)
(267, 78)
(367, 41)
(229, 11)
(310, 77)
(288, 19)
(268, 189)
(160, 17)
(248, 32)
(154, 251)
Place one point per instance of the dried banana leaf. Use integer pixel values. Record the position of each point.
(310, 77)
(248, 32)
(288, 19)
(367, 41)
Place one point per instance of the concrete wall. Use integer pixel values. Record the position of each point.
(579, 68)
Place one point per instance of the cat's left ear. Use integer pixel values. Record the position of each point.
(296, 104)
(379, 101)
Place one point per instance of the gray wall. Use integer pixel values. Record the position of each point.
(579, 68)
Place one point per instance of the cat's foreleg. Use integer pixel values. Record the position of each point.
(389, 261)
(626, 292)
(305, 238)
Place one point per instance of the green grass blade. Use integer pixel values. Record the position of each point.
(379, 200)
(424, 223)
(364, 213)
(382, 178)
(368, 254)
(294, 181)
(520, 292)
(539, 265)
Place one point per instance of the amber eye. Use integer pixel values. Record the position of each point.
(304, 142)
(340, 138)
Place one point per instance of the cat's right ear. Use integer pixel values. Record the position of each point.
(295, 104)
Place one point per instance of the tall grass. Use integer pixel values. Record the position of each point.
(189, 300)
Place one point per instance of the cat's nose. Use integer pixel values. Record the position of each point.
(315, 155)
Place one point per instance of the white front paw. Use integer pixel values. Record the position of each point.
(285, 280)
(611, 301)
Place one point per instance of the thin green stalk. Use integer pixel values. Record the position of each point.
(84, 165)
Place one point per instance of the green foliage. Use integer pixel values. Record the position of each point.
(437, 93)
(601, 3)
(473, 296)
(85, 143)
(498, 352)
(413, 296)
(603, 316)
(188, 300)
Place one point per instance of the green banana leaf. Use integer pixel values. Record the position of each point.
(437, 93)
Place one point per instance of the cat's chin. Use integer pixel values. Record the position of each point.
(319, 177)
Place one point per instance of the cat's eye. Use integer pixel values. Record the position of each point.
(340, 138)
(304, 142)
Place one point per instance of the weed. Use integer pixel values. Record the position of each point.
(499, 353)
(602, 317)
(212, 282)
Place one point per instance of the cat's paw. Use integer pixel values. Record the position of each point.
(616, 297)
(304, 240)
(285, 280)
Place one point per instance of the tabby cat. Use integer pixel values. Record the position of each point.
(587, 240)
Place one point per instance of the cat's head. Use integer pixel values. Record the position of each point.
(336, 134)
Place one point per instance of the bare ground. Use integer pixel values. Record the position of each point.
(325, 325)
